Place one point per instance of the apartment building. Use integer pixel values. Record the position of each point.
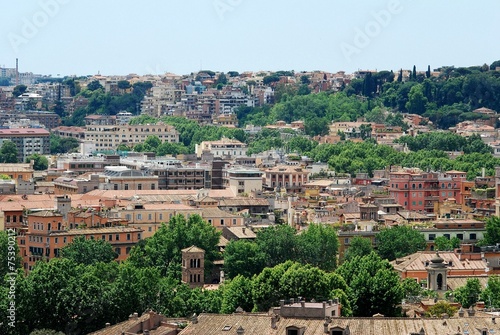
(109, 137)
(242, 180)
(291, 178)
(47, 233)
(28, 141)
(222, 148)
(79, 164)
(123, 178)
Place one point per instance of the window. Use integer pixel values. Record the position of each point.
(117, 237)
(234, 221)
(139, 216)
(460, 236)
(432, 237)
(346, 240)
(221, 222)
(127, 250)
(110, 237)
(161, 217)
(118, 251)
(125, 187)
(139, 186)
(447, 236)
(153, 186)
(473, 236)
(150, 217)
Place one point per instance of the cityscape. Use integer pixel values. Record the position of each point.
(155, 182)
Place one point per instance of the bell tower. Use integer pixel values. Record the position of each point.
(437, 274)
(193, 266)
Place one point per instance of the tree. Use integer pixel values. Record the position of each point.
(83, 251)
(94, 86)
(163, 249)
(8, 152)
(279, 244)
(359, 246)
(46, 332)
(469, 294)
(243, 258)
(399, 241)
(440, 308)
(18, 90)
(237, 292)
(374, 285)
(414, 73)
(411, 288)
(41, 163)
(222, 79)
(318, 246)
(124, 84)
(444, 244)
(416, 100)
(491, 294)
(492, 235)
(428, 72)
(9, 252)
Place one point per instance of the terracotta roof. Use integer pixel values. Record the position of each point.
(418, 261)
(242, 232)
(193, 249)
(243, 202)
(258, 324)
(109, 230)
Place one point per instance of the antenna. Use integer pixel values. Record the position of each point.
(17, 72)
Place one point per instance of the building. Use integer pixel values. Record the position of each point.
(242, 180)
(193, 266)
(148, 323)
(123, 178)
(290, 178)
(109, 137)
(78, 185)
(79, 164)
(47, 232)
(258, 324)
(222, 148)
(419, 191)
(28, 141)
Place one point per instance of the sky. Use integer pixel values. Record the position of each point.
(119, 37)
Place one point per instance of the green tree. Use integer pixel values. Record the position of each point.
(94, 86)
(444, 244)
(124, 84)
(279, 244)
(374, 285)
(243, 258)
(491, 294)
(83, 251)
(41, 163)
(359, 246)
(492, 235)
(440, 308)
(318, 246)
(399, 241)
(46, 332)
(416, 100)
(18, 90)
(469, 294)
(9, 251)
(222, 79)
(152, 143)
(411, 288)
(237, 292)
(8, 152)
(163, 249)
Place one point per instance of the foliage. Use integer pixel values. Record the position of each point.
(163, 249)
(40, 162)
(399, 241)
(469, 294)
(291, 279)
(411, 288)
(61, 145)
(18, 90)
(440, 308)
(279, 244)
(318, 246)
(83, 251)
(492, 235)
(491, 294)
(237, 292)
(359, 246)
(46, 332)
(8, 152)
(10, 254)
(243, 258)
(374, 285)
(444, 244)
(446, 141)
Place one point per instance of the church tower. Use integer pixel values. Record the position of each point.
(437, 275)
(193, 266)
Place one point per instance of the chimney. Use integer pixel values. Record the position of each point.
(108, 324)
(325, 327)
(273, 322)
(136, 315)
(145, 332)
(292, 301)
(303, 303)
(243, 230)
(194, 319)
(282, 302)
(461, 312)
(240, 330)
(330, 302)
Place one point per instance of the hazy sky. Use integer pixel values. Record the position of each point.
(68, 37)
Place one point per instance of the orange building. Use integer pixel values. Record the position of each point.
(47, 233)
